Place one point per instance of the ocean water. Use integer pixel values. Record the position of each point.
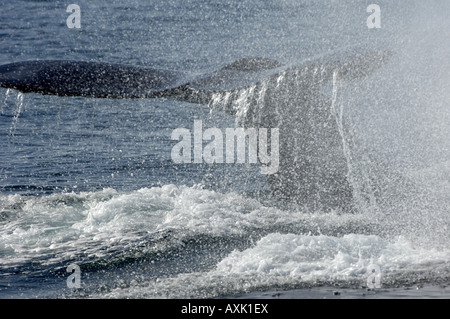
(91, 181)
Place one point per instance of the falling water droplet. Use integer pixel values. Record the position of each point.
(17, 112)
(5, 101)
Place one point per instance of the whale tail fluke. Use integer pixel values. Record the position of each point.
(261, 92)
(106, 80)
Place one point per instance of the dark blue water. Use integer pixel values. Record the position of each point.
(91, 181)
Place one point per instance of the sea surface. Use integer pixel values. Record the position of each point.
(91, 182)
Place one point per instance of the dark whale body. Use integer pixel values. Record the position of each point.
(313, 166)
(106, 80)
(75, 78)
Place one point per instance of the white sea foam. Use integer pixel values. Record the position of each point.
(324, 257)
(35, 224)
(294, 248)
(289, 260)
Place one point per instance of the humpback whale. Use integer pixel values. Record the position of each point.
(313, 163)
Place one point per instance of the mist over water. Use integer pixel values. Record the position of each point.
(91, 181)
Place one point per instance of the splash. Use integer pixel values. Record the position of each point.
(314, 158)
(324, 164)
(17, 111)
(358, 177)
(244, 103)
(5, 101)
